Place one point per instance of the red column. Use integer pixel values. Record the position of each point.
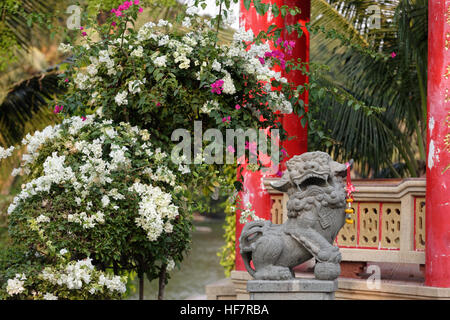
(437, 266)
(253, 188)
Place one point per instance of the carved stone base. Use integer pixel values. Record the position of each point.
(295, 289)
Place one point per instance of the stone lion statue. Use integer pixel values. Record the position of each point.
(315, 185)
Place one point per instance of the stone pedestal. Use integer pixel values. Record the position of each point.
(295, 289)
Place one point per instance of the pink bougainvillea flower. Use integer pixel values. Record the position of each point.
(158, 104)
(84, 34)
(268, 54)
(136, 1)
(230, 149)
(393, 54)
(279, 41)
(57, 109)
(292, 43)
(113, 23)
(216, 87)
(279, 173)
(81, 28)
(66, 80)
(263, 62)
(284, 152)
(141, 10)
(237, 107)
(83, 118)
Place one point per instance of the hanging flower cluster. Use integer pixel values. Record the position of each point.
(160, 79)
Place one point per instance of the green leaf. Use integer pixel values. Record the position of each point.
(246, 4)
(275, 10)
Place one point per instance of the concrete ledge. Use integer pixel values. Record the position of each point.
(295, 285)
(295, 289)
(389, 290)
(221, 290)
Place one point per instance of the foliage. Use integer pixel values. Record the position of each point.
(26, 276)
(155, 79)
(369, 103)
(102, 191)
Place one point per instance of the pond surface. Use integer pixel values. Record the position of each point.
(200, 267)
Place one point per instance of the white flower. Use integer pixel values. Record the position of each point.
(139, 52)
(65, 47)
(186, 22)
(92, 70)
(216, 65)
(49, 296)
(42, 218)
(5, 153)
(160, 61)
(105, 201)
(163, 23)
(80, 81)
(134, 86)
(63, 251)
(163, 41)
(242, 35)
(170, 265)
(15, 286)
(228, 86)
(192, 11)
(184, 169)
(121, 98)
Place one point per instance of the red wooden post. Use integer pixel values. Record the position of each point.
(255, 193)
(437, 265)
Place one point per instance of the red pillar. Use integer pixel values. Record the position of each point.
(253, 188)
(437, 265)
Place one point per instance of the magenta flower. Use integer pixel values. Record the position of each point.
(84, 34)
(58, 109)
(81, 28)
(216, 87)
(292, 43)
(83, 118)
(279, 173)
(66, 80)
(263, 62)
(136, 1)
(141, 10)
(279, 41)
(393, 54)
(113, 23)
(158, 104)
(237, 107)
(226, 119)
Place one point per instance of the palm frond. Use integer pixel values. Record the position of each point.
(24, 106)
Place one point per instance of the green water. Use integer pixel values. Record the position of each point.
(200, 267)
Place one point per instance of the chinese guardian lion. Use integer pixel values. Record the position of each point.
(315, 185)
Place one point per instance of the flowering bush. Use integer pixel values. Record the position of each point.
(161, 79)
(102, 191)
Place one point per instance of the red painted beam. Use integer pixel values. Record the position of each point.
(437, 253)
(253, 188)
